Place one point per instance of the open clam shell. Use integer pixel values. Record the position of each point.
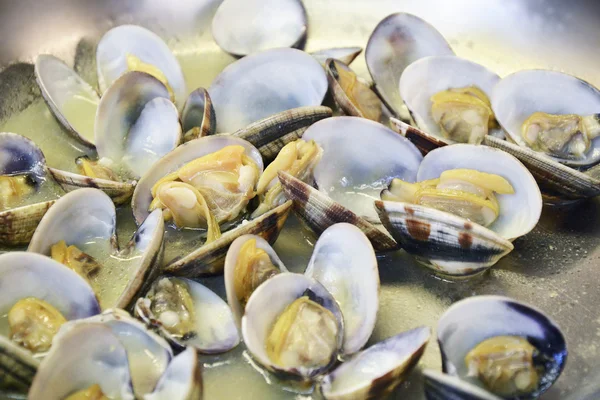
(360, 157)
(344, 261)
(470, 321)
(71, 99)
(452, 245)
(86, 218)
(264, 84)
(270, 134)
(242, 27)
(21, 156)
(397, 41)
(231, 261)
(148, 354)
(375, 372)
(49, 281)
(523, 93)
(80, 357)
(136, 124)
(131, 40)
(142, 195)
(262, 312)
(344, 54)
(214, 330)
(198, 117)
(353, 96)
(430, 75)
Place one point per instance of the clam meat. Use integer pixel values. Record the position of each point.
(467, 193)
(566, 136)
(506, 365)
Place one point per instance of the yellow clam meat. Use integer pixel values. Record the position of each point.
(75, 259)
(93, 392)
(297, 158)
(253, 267)
(173, 305)
(567, 136)
(13, 189)
(96, 169)
(505, 365)
(464, 115)
(304, 335)
(467, 193)
(33, 324)
(224, 180)
(135, 64)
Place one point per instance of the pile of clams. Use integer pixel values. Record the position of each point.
(439, 157)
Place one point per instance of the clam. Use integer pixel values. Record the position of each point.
(136, 124)
(343, 54)
(344, 262)
(187, 313)
(552, 113)
(198, 115)
(242, 27)
(70, 98)
(299, 335)
(493, 347)
(354, 96)
(25, 195)
(250, 261)
(375, 372)
(220, 197)
(133, 48)
(34, 312)
(397, 41)
(114, 356)
(360, 158)
(264, 84)
(449, 98)
(80, 232)
(467, 206)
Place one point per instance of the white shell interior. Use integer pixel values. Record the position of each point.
(142, 196)
(268, 301)
(155, 133)
(47, 280)
(229, 272)
(243, 27)
(148, 354)
(519, 95)
(397, 41)
(358, 373)
(80, 357)
(360, 158)
(79, 217)
(180, 378)
(428, 76)
(468, 322)
(344, 262)
(215, 328)
(117, 43)
(133, 127)
(60, 85)
(519, 212)
(442, 381)
(264, 84)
